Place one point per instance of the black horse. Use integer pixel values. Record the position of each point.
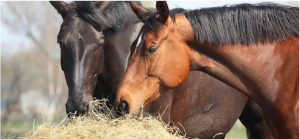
(90, 54)
(95, 40)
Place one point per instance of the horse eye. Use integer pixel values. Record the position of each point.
(59, 41)
(152, 49)
(100, 45)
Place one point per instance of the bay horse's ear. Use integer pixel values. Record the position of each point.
(103, 5)
(60, 6)
(140, 12)
(162, 10)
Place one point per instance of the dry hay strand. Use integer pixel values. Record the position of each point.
(100, 123)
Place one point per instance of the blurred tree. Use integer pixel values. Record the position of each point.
(37, 68)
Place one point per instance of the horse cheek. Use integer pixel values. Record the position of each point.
(180, 73)
(185, 72)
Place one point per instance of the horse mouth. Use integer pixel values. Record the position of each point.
(140, 115)
(78, 113)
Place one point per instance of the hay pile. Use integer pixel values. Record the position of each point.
(100, 125)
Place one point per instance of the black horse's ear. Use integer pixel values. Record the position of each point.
(140, 12)
(162, 10)
(103, 5)
(60, 6)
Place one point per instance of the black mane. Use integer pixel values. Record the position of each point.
(113, 17)
(239, 24)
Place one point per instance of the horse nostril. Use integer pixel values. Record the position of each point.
(70, 115)
(124, 106)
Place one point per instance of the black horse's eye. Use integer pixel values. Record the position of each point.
(152, 49)
(100, 45)
(59, 41)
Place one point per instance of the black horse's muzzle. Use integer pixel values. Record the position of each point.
(76, 109)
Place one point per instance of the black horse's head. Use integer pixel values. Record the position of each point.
(81, 48)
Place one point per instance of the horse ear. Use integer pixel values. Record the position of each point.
(60, 6)
(162, 10)
(103, 5)
(140, 12)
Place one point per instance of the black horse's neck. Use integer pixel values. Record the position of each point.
(118, 40)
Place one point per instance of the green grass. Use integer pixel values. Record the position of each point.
(16, 125)
(16, 129)
(20, 125)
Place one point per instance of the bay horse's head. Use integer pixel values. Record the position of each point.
(81, 50)
(158, 64)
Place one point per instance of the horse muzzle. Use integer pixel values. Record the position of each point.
(124, 108)
(76, 109)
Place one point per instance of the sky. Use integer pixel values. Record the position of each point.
(9, 36)
(10, 41)
(204, 4)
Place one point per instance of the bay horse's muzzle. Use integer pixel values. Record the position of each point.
(124, 108)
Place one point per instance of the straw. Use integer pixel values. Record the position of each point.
(100, 123)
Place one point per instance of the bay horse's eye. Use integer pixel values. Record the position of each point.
(152, 49)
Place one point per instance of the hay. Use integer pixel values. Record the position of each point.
(102, 125)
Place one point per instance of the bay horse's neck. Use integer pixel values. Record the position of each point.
(117, 50)
(266, 73)
(254, 70)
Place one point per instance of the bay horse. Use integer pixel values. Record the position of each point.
(252, 48)
(95, 40)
